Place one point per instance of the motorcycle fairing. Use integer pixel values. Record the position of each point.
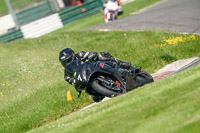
(83, 72)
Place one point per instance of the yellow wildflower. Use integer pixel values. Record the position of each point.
(179, 39)
(176, 40)
(192, 37)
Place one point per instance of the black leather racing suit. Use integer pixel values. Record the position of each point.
(103, 56)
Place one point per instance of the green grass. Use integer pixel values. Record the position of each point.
(170, 105)
(32, 88)
(3, 8)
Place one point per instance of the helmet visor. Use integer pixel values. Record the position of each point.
(67, 61)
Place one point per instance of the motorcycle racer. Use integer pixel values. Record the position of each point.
(67, 55)
(113, 6)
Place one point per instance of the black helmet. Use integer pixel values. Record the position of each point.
(66, 56)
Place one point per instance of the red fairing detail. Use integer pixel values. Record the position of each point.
(118, 83)
(101, 64)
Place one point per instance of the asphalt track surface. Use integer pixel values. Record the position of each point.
(168, 15)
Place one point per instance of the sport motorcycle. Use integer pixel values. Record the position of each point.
(105, 78)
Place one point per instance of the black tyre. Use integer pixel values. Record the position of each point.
(140, 79)
(103, 90)
(144, 78)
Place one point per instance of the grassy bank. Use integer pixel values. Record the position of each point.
(32, 88)
(170, 105)
(3, 8)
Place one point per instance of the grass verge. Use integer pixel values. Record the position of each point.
(32, 88)
(170, 105)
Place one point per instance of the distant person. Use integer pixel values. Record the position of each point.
(112, 8)
(79, 2)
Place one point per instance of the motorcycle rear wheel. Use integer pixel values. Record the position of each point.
(103, 90)
(144, 78)
(141, 78)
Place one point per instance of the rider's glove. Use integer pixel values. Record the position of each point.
(92, 55)
(68, 79)
(87, 56)
(105, 56)
(82, 55)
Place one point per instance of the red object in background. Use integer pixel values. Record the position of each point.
(70, 3)
(73, 2)
(119, 1)
(79, 3)
(83, 9)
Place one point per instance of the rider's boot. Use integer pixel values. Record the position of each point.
(127, 65)
(97, 98)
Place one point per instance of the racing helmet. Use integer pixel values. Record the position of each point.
(66, 56)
